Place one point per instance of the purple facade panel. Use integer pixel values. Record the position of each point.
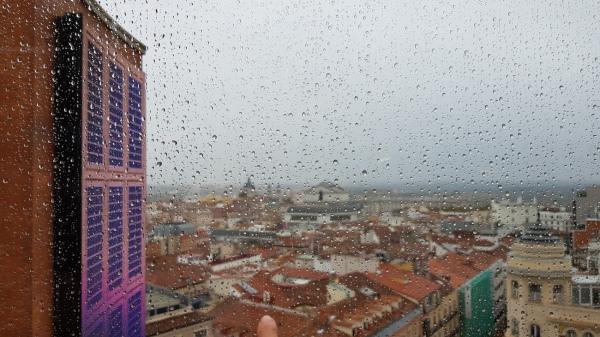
(136, 122)
(115, 236)
(94, 88)
(116, 117)
(93, 250)
(113, 192)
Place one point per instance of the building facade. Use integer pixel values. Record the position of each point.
(556, 218)
(544, 297)
(310, 216)
(513, 215)
(587, 204)
(76, 172)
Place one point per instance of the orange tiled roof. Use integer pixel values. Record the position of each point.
(405, 282)
(458, 269)
(358, 280)
(581, 237)
(351, 311)
(176, 322)
(166, 272)
(243, 317)
(286, 295)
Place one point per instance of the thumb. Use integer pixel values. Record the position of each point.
(266, 327)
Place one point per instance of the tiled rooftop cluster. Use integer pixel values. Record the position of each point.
(348, 278)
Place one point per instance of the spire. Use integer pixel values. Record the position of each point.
(248, 190)
(249, 184)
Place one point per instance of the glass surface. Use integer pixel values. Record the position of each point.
(347, 168)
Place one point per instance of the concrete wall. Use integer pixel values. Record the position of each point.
(345, 264)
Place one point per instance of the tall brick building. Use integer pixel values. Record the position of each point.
(72, 155)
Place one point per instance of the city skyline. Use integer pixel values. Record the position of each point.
(300, 168)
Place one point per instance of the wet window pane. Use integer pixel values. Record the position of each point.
(332, 168)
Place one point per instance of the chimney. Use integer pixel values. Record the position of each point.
(406, 279)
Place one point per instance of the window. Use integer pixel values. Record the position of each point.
(134, 308)
(514, 327)
(200, 333)
(596, 296)
(535, 292)
(116, 321)
(588, 334)
(136, 123)
(94, 239)
(575, 294)
(115, 236)
(95, 84)
(571, 333)
(514, 289)
(340, 217)
(584, 295)
(535, 331)
(134, 216)
(304, 218)
(429, 301)
(557, 293)
(116, 131)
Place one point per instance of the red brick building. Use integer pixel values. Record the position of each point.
(45, 174)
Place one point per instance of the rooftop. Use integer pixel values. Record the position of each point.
(537, 233)
(164, 271)
(586, 279)
(307, 274)
(405, 282)
(176, 322)
(115, 27)
(457, 269)
(325, 208)
(327, 186)
(242, 316)
(173, 229)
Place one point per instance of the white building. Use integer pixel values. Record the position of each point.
(346, 264)
(321, 204)
(513, 214)
(338, 264)
(556, 218)
(235, 262)
(325, 191)
(394, 219)
(309, 216)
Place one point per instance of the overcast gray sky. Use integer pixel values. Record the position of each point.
(370, 92)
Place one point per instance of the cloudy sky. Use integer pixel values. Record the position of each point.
(369, 92)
